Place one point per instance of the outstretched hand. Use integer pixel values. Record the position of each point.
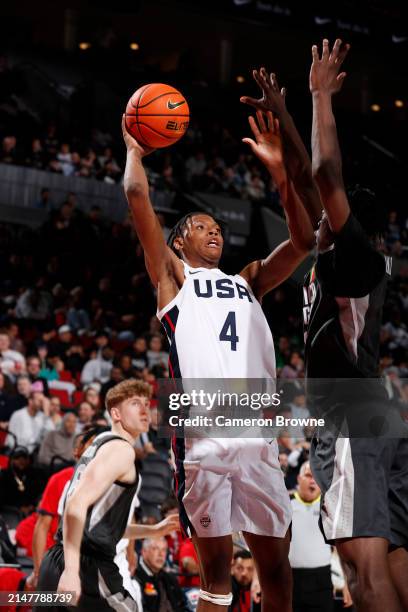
(325, 75)
(132, 143)
(273, 98)
(267, 145)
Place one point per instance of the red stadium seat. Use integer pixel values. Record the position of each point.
(66, 376)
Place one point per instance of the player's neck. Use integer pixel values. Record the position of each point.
(120, 431)
(201, 263)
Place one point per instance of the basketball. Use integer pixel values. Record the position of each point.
(157, 115)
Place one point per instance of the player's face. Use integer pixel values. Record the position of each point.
(307, 486)
(203, 239)
(135, 415)
(324, 235)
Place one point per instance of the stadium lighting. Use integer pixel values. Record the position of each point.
(84, 46)
(240, 79)
(399, 103)
(375, 108)
(134, 46)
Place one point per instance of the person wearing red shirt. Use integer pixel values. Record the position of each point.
(12, 580)
(188, 562)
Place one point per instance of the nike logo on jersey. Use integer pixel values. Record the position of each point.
(196, 272)
(173, 105)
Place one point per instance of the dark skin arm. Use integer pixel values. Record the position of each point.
(264, 275)
(296, 157)
(164, 267)
(326, 80)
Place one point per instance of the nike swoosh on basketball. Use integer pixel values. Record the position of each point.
(173, 105)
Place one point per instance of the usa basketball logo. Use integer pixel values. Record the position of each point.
(205, 520)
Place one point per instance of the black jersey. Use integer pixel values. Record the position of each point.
(108, 517)
(343, 301)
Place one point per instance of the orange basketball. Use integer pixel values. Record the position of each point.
(157, 115)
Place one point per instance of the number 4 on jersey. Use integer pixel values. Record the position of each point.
(229, 331)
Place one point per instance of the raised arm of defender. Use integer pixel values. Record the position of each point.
(326, 80)
(164, 268)
(264, 275)
(297, 159)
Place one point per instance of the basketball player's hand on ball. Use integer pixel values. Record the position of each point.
(70, 583)
(132, 144)
(267, 145)
(325, 75)
(273, 98)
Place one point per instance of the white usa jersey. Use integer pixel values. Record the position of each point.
(217, 329)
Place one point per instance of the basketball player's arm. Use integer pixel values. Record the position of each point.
(160, 260)
(326, 80)
(264, 275)
(297, 159)
(114, 461)
(166, 526)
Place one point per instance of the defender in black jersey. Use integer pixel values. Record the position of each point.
(97, 507)
(363, 477)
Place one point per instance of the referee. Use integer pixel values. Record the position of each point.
(309, 555)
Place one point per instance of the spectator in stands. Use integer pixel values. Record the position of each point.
(86, 412)
(309, 554)
(34, 304)
(36, 156)
(126, 366)
(98, 369)
(298, 406)
(242, 573)
(43, 201)
(139, 356)
(54, 413)
(29, 424)
(92, 396)
(20, 483)
(160, 590)
(189, 565)
(7, 403)
(63, 345)
(77, 315)
(59, 443)
(12, 362)
(116, 376)
(23, 387)
(155, 354)
(8, 153)
(65, 160)
(33, 372)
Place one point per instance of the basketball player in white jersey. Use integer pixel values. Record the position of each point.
(217, 329)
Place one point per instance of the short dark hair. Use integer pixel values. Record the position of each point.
(242, 554)
(368, 209)
(178, 229)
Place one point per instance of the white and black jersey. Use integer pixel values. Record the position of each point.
(107, 518)
(343, 298)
